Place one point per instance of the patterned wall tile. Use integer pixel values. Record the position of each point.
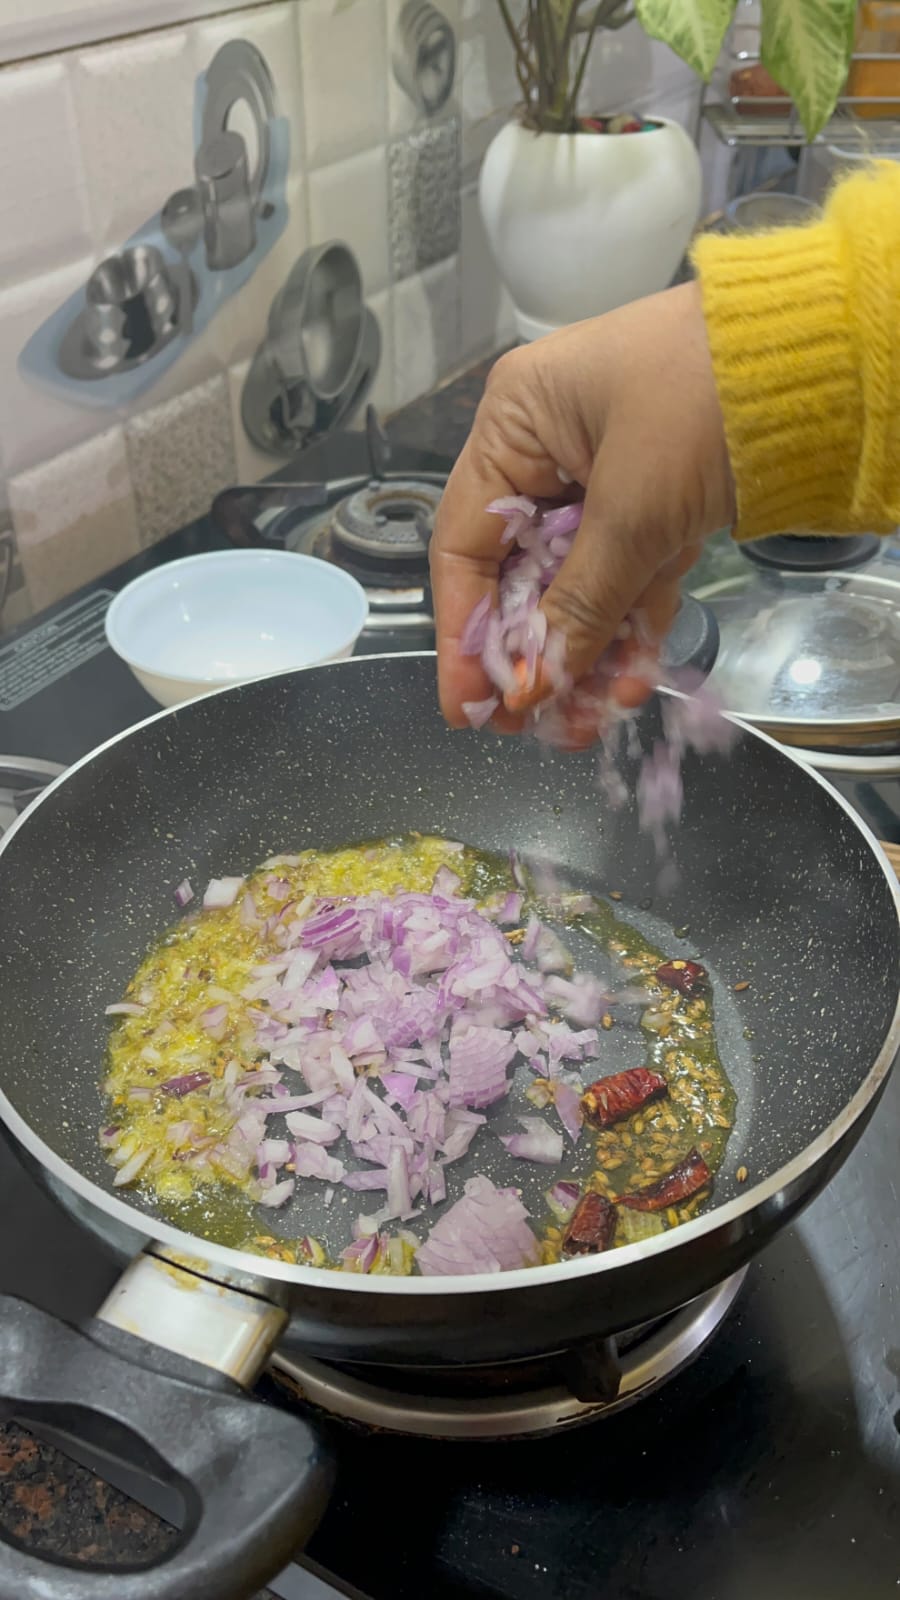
(424, 216)
(343, 53)
(180, 454)
(44, 219)
(404, 19)
(349, 201)
(74, 517)
(426, 329)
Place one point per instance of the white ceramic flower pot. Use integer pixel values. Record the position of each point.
(579, 223)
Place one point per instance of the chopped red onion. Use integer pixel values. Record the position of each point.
(479, 1058)
(399, 1201)
(486, 1231)
(185, 1084)
(278, 1194)
(537, 1143)
(311, 1161)
(306, 1126)
(125, 1008)
(221, 892)
(568, 1105)
(479, 712)
(361, 1255)
(184, 894)
(514, 640)
(562, 1200)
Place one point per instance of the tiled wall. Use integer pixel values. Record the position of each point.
(92, 141)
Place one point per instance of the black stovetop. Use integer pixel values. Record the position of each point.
(770, 1468)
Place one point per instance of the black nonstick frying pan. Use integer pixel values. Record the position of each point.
(779, 883)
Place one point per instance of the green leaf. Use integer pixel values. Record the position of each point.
(806, 46)
(694, 29)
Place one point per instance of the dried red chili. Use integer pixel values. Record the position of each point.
(684, 976)
(690, 1175)
(591, 1227)
(622, 1093)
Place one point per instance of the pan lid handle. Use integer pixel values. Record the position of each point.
(792, 552)
(693, 639)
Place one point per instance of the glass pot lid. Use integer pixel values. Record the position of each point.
(810, 639)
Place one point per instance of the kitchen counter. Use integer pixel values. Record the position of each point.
(48, 1502)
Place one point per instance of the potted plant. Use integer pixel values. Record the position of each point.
(584, 212)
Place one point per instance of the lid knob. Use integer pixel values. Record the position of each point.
(791, 552)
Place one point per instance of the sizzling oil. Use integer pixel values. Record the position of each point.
(208, 959)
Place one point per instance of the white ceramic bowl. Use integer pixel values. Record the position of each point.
(199, 624)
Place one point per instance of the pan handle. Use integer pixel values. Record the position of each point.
(850, 766)
(253, 1479)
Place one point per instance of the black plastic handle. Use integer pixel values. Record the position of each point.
(254, 1479)
(692, 640)
(794, 552)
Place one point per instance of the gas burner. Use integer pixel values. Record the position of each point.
(376, 525)
(379, 533)
(388, 521)
(21, 780)
(527, 1399)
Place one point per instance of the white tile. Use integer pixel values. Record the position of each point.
(426, 329)
(35, 423)
(382, 392)
(74, 517)
(486, 77)
(251, 463)
(403, 113)
(44, 220)
(135, 106)
(487, 318)
(239, 326)
(273, 30)
(349, 201)
(343, 55)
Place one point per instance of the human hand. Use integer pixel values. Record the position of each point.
(624, 406)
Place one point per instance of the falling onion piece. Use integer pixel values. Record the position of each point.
(514, 642)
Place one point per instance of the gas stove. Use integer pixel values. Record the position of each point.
(763, 1455)
(375, 524)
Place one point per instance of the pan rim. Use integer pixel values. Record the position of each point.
(224, 1262)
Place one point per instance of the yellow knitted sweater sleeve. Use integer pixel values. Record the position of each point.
(804, 329)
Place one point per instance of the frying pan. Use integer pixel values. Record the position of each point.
(780, 885)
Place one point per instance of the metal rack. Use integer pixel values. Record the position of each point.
(740, 121)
